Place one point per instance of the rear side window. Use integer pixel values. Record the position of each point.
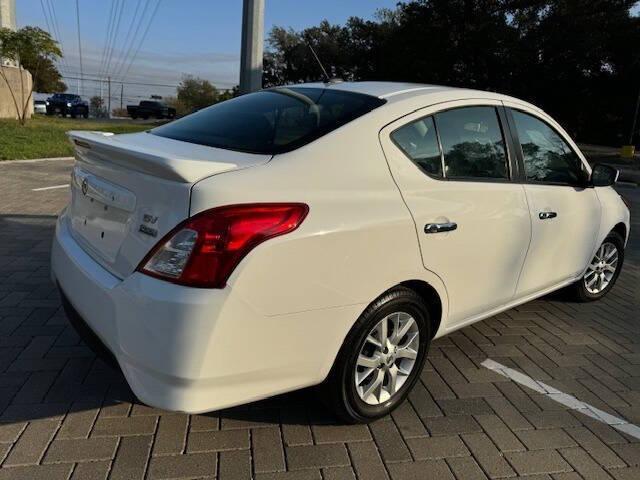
(271, 121)
(547, 157)
(472, 143)
(419, 141)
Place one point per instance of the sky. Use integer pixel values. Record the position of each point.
(196, 37)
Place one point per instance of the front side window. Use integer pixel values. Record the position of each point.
(472, 143)
(270, 121)
(547, 157)
(419, 141)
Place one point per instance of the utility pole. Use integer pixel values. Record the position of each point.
(635, 120)
(109, 97)
(121, 94)
(252, 46)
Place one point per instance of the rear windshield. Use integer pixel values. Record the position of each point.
(270, 121)
(149, 104)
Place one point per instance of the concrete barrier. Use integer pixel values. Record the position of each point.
(7, 107)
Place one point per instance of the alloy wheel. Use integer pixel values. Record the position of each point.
(602, 268)
(387, 358)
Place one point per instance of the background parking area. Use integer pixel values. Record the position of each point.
(548, 390)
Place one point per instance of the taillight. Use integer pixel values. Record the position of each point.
(204, 250)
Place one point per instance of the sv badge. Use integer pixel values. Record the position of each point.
(147, 225)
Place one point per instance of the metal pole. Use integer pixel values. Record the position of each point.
(252, 45)
(635, 120)
(109, 97)
(121, 94)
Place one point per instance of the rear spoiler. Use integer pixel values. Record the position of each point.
(99, 147)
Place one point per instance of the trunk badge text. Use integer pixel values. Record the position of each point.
(145, 226)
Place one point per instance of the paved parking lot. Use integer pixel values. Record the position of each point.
(64, 414)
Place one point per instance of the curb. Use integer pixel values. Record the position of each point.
(34, 160)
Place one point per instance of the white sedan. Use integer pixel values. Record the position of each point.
(324, 234)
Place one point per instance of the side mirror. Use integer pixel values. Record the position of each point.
(603, 175)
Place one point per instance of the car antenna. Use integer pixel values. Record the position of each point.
(315, 55)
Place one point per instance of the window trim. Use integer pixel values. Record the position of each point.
(522, 175)
(510, 150)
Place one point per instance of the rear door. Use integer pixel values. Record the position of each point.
(453, 165)
(565, 212)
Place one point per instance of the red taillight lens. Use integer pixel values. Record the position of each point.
(204, 250)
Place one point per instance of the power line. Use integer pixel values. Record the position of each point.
(54, 23)
(114, 36)
(79, 44)
(144, 36)
(71, 74)
(133, 40)
(107, 40)
(51, 29)
(128, 40)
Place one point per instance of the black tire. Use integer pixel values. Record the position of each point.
(578, 291)
(73, 115)
(85, 114)
(134, 117)
(340, 390)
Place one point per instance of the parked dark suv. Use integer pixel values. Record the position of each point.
(67, 104)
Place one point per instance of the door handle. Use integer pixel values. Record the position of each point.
(440, 227)
(547, 215)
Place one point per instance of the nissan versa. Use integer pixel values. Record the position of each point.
(324, 234)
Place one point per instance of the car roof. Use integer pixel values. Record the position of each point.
(394, 92)
(376, 89)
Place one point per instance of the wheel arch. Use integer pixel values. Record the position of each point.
(621, 229)
(431, 299)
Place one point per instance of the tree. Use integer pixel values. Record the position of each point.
(196, 93)
(28, 46)
(49, 79)
(577, 59)
(96, 104)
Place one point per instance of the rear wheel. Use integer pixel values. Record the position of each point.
(381, 358)
(602, 272)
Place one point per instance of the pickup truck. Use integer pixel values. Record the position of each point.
(67, 104)
(148, 109)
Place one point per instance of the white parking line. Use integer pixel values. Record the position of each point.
(564, 398)
(49, 188)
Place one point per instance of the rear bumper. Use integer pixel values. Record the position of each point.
(194, 350)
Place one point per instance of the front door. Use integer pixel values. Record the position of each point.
(453, 168)
(565, 212)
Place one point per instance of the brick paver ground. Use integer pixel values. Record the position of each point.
(64, 414)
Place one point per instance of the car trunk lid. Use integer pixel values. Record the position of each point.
(128, 191)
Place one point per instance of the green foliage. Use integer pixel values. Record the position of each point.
(49, 79)
(196, 93)
(96, 107)
(577, 59)
(44, 137)
(32, 48)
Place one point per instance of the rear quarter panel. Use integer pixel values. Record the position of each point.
(357, 241)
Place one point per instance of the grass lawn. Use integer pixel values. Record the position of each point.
(44, 137)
